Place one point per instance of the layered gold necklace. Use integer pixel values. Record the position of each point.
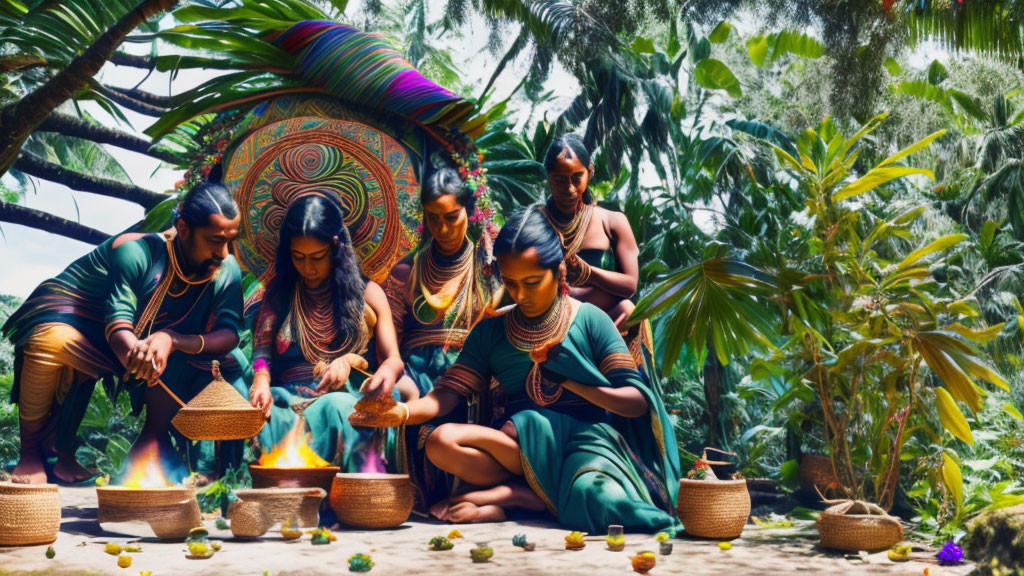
(573, 230)
(538, 336)
(446, 289)
(172, 274)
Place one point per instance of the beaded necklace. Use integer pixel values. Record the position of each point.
(172, 274)
(442, 284)
(538, 336)
(312, 313)
(572, 230)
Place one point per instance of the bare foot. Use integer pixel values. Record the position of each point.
(29, 470)
(68, 470)
(440, 510)
(513, 495)
(466, 512)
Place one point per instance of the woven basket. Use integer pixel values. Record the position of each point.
(248, 519)
(854, 525)
(816, 472)
(283, 504)
(170, 512)
(29, 514)
(372, 500)
(266, 477)
(713, 508)
(219, 412)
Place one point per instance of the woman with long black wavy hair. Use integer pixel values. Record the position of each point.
(317, 321)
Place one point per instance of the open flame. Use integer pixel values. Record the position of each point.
(373, 462)
(145, 471)
(293, 451)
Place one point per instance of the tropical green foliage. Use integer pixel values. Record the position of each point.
(810, 290)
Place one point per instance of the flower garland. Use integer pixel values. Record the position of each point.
(468, 161)
(213, 140)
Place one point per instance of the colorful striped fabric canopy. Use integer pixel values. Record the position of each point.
(364, 68)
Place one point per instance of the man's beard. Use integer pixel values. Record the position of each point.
(210, 263)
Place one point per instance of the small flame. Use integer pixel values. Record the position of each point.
(373, 462)
(293, 451)
(145, 471)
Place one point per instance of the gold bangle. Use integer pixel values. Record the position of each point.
(202, 344)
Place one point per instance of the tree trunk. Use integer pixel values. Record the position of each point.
(35, 166)
(79, 128)
(19, 119)
(713, 381)
(131, 103)
(145, 97)
(16, 214)
(133, 60)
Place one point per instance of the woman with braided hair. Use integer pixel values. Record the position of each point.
(437, 294)
(317, 322)
(584, 436)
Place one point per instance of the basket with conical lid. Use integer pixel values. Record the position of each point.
(219, 412)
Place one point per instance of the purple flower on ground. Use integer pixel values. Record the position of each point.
(950, 554)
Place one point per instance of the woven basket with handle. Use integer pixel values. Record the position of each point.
(372, 500)
(219, 412)
(29, 514)
(853, 525)
(713, 508)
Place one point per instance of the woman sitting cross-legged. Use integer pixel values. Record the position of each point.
(591, 440)
(314, 327)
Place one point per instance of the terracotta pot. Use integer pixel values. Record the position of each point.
(264, 477)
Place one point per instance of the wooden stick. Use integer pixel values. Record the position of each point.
(172, 394)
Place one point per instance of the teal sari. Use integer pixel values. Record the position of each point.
(589, 467)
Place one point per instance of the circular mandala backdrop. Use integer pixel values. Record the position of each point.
(366, 170)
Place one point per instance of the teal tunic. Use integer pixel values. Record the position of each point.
(109, 288)
(326, 416)
(591, 468)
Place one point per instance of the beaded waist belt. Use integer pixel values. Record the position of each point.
(454, 338)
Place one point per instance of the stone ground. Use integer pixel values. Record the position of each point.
(762, 552)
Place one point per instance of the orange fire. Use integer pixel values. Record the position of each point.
(293, 451)
(145, 471)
